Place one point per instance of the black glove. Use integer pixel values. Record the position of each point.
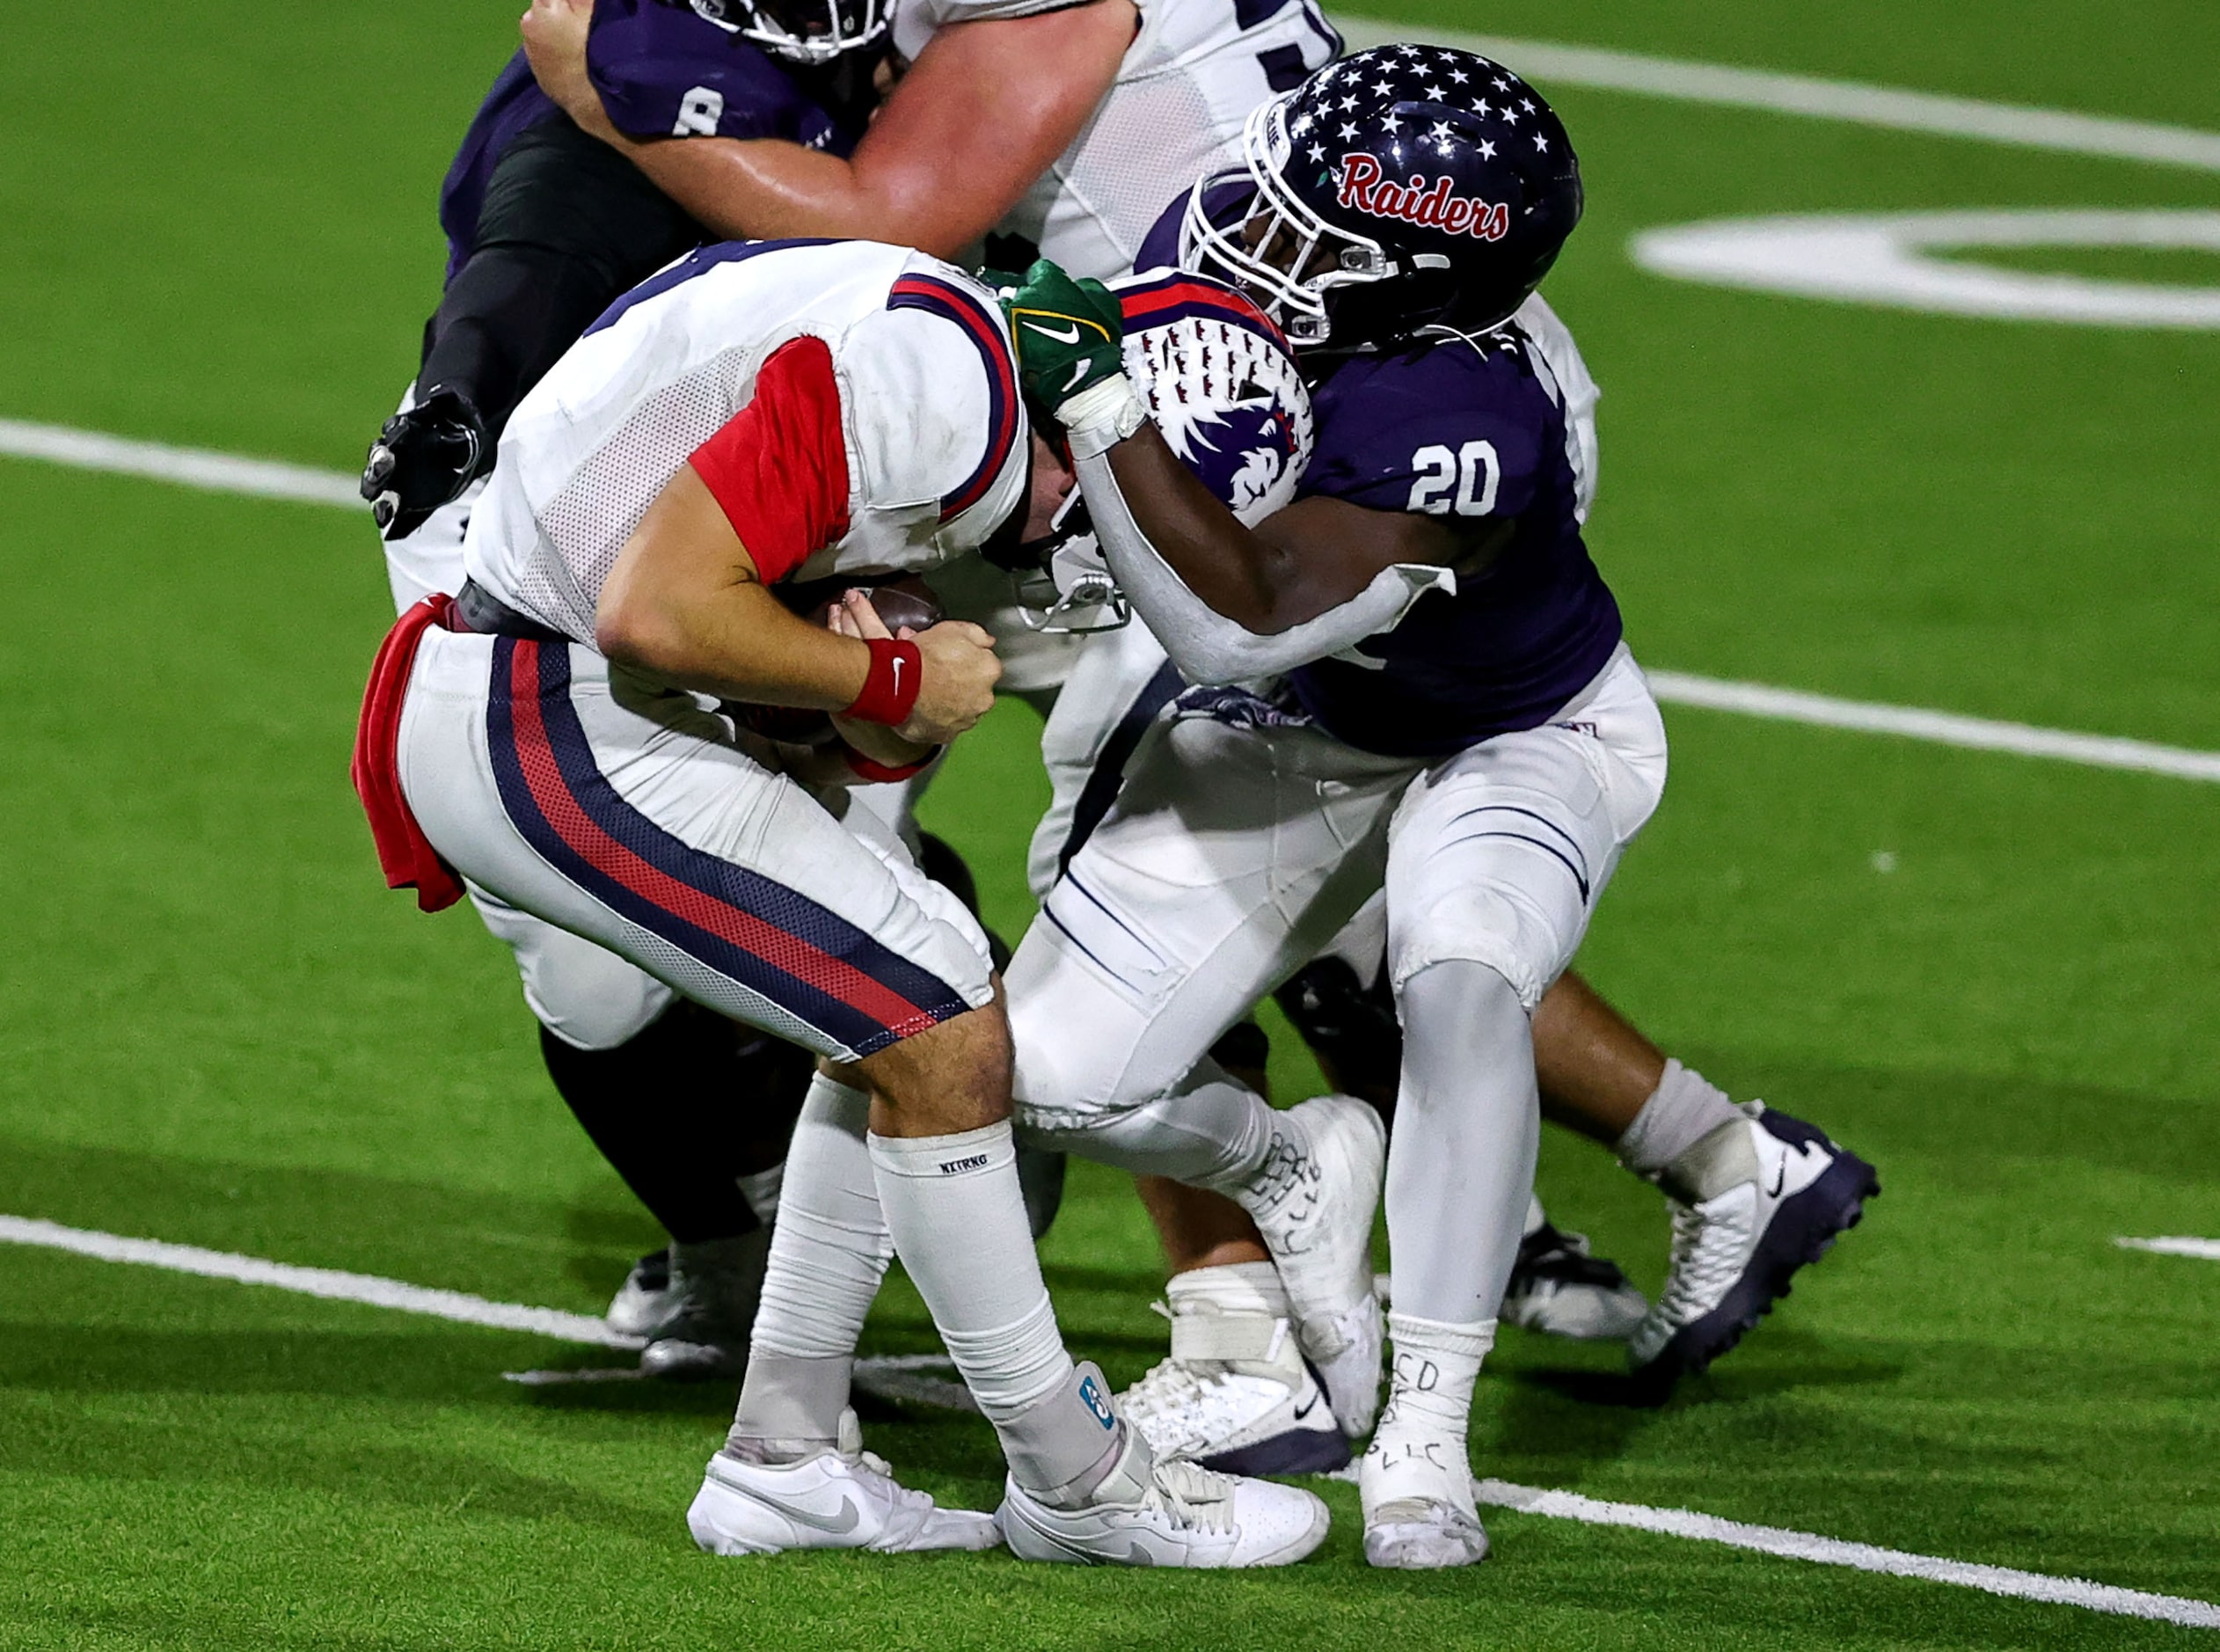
(423, 459)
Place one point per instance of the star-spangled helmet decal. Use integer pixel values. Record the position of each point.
(1387, 198)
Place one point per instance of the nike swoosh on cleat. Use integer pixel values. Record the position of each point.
(834, 1525)
(1070, 335)
(1305, 1411)
(1780, 1179)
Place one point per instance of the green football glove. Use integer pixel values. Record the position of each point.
(1071, 340)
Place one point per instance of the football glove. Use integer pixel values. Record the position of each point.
(1071, 342)
(423, 459)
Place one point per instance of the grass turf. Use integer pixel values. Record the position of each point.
(216, 1028)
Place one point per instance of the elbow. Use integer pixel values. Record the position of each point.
(638, 633)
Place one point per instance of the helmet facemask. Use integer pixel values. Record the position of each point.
(1290, 261)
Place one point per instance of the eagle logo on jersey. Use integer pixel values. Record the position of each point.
(1435, 208)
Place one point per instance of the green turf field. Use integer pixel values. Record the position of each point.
(217, 1028)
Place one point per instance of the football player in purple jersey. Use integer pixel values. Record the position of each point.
(1427, 692)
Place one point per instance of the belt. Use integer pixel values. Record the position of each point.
(478, 610)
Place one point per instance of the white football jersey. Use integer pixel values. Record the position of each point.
(1560, 360)
(935, 433)
(1194, 70)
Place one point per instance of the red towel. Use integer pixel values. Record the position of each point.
(407, 855)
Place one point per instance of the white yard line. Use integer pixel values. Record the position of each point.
(911, 1377)
(2204, 1249)
(270, 479)
(194, 467)
(1947, 728)
(1863, 1557)
(458, 1305)
(1553, 64)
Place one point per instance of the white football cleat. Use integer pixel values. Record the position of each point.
(1559, 1288)
(1754, 1201)
(1236, 1396)
(709, 1308)
(1417, 1490)
(1149, 1513)
(1313, 1204)
(841, 1499)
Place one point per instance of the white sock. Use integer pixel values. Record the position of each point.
(959, 1221)
(760, 1188)
(1684, 1109)
(1536, 1218)
(829, 1251)
(1419, 1451)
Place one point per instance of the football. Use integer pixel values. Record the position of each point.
(906, 602)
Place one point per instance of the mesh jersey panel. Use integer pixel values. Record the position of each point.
(1150, 137)
(585, 525)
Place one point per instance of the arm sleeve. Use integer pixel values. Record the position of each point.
(566, 226)
(778, 467)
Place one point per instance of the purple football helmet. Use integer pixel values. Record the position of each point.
(1405, 187)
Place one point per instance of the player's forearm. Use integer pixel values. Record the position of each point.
(737, 642)
(767, 189)
(1249, 574)
(985, 110)
(1240, 575)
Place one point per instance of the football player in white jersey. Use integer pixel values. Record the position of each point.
(755, 414)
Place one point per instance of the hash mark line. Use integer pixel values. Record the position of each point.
(905, 1377)
(1856, 102)
(457, 1305)
(1944, 729)
(2172, 1244)
(1863, 1557)
(194, 467)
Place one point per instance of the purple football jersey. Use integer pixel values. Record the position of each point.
(662, 71)
(1469, 432)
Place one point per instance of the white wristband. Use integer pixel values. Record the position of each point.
(1102, 416)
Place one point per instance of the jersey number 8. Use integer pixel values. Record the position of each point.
(1473, 470)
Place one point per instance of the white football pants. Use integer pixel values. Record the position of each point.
(625, 814)
(1234, 855)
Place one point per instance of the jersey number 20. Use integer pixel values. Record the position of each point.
(1473, 470)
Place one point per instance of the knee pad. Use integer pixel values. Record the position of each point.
(1499, 925)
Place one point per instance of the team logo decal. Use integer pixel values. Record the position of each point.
(1434, 208)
